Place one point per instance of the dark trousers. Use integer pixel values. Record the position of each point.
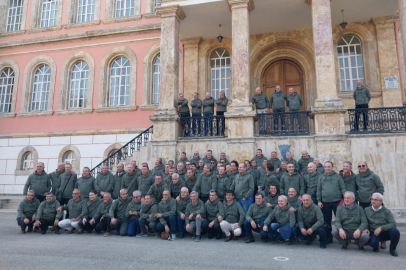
(328, 209)
(392, 235)
(144, 223)
(121, 226)
(364, 116)
(248, 229)
(41, 198)
(134, 227)
(87, 226)
(321, 232)
(208, 124)
(196, 123)
(46, 223)
(185, 120)
(65, 201)
(23, 226)
(221, 124)
(295, 116)
(171, 220)
(278, 114)
(215, 230)
(204, 199)
(181, 225)
(364, 205)
(103, 225)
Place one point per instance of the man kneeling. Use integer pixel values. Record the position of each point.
(77, 210)
(49, 213)
(166, 215)
(311, 221)
(26, 211)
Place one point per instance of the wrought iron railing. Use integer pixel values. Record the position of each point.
(203, 126)
(284, 123)
(377, 120)
(126, 151)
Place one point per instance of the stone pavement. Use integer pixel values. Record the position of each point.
(91, 251)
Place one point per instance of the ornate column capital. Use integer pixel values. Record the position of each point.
(249, 4)
(192, 42)
(171, 11)
(386, 21)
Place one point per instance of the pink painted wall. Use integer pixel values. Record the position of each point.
(94, 121)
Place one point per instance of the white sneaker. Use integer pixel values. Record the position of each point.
(172, 237)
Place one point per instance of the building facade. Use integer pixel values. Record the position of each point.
(79, 79)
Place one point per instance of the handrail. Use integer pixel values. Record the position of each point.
(126, 151)
(284, 123)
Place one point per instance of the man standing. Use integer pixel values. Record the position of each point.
(350, 223)
(312, 179)
(68, 182)
(157, 188)
(166, 215)
(260, 100)
(181, 171)
(259, 157)
(208, 111)
(330, 190)
(183, 107)
(294, 102)
(196, 114)
(255, 217)
(85, 183)
(367, 183)
(277, 106)
(133, 214)
(182, 201)
(77, 210)
(196, 158)
(205, 182)
(147, 215)
(209, 157)
(104, 181)
(221, 102)
(54, 176)
(362, 96)
(145, 181)
(234, 217)
(195, 214)
(157, 168)
(268, 178)
(175, 186)
(243, 187)
(129, 180)
(117, 214)
(215, 213)
(183, 159)
(26, 211)
(191, 179)
(47, 214)
(311, 221)
(289, 158)
(223, 183)
(92, 205)
(292, 179)
(118, 178)
(101, 219)
(303, 162)
(319, 166)
(39, 182)
(272, 199)
(349, 178)
(275, 161)
(382, 225)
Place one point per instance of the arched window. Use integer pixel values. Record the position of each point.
(351, 63)
(40, 90)
(6, 89)
(119, 82)
(14, 16)
(124, 8)
(49, 13)
(220, 72)
(78, 85)
(69, 158)
(85, 11)
(27, 162)
(156, 70)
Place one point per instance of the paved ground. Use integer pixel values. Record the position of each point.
(34, 251)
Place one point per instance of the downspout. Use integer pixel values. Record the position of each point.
(398, 48)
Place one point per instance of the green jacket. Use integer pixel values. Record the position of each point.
(214, 209)
(76, 209)
(184, 163)
(133, 206)
(104, 182)
(367, 185)
(195, 209)
(277, 101)
(311, 182)
(349, 182)
(157, 190)
(381, 218)
(54, 176)
(260, 101)
(281, 216)
(267, 179)
(181, 205)
(276, 163)
(129, 182)
(232, 175)
(222, 104)
(196, 106)
(40, 183)
(68, 183)
(330, 188)
(272, 200)
(103, 210)
(311, 217)
(208, 160)
(257, 212)
(362, 96)
(294, 102)
(205, 183)
(184, 108)
(190, 183)
(167, 209)
(145, 183)
(243, 186)
(208, 105)
(302, 163)
(320, 168)
(118, 178)
(259, 160)
(147, 212)
(234, 213)
(294, 163)
(182, 175)
(295, 203)
(85, 185)
(175, 188)
(195, 160)
(156, 171)
(26, 208)
(47, 210)
(92, 207)
(223, 184)
(119, 207)
(294, 180)
(351, 219)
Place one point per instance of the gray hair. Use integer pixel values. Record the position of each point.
(185, 189)
(380, 196)
(351, 193)
(194, 192)
(283, 197)
(107, 193)
(31, 191)
(123, 190)
(347, 162)
(137, 192)
(175, 175)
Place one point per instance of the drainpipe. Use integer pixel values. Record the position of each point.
(398, 48)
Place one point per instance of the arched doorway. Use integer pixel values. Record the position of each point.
(287, 73)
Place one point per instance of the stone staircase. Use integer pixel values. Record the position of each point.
(9, 203)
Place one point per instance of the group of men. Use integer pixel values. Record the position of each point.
(283, 200)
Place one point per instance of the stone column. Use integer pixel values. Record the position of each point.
(328, 109)
(240, 116)
(388, 60)
(402, 19)
(191, 66)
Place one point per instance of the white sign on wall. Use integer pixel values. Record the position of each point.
(391, 82)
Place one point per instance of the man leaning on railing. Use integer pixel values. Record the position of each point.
(294, 102)
(362, 96)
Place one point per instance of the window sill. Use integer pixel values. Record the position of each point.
(73, 111)
(117, 109)
(34, 114)
(12, 33)
(122, 19)
(7, 115)
(150, 15)
(149, 107)
(23, 172)
(83, 24)
(44, 29)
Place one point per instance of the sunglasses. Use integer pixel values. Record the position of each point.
(362, 166)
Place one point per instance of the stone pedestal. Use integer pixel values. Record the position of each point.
(167, 150)
(332, 148)
(241, 149)
(240, 124)
(191, 66)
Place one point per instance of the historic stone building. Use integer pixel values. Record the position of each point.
(79, 79)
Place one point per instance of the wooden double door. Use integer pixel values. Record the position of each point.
(285, 73)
